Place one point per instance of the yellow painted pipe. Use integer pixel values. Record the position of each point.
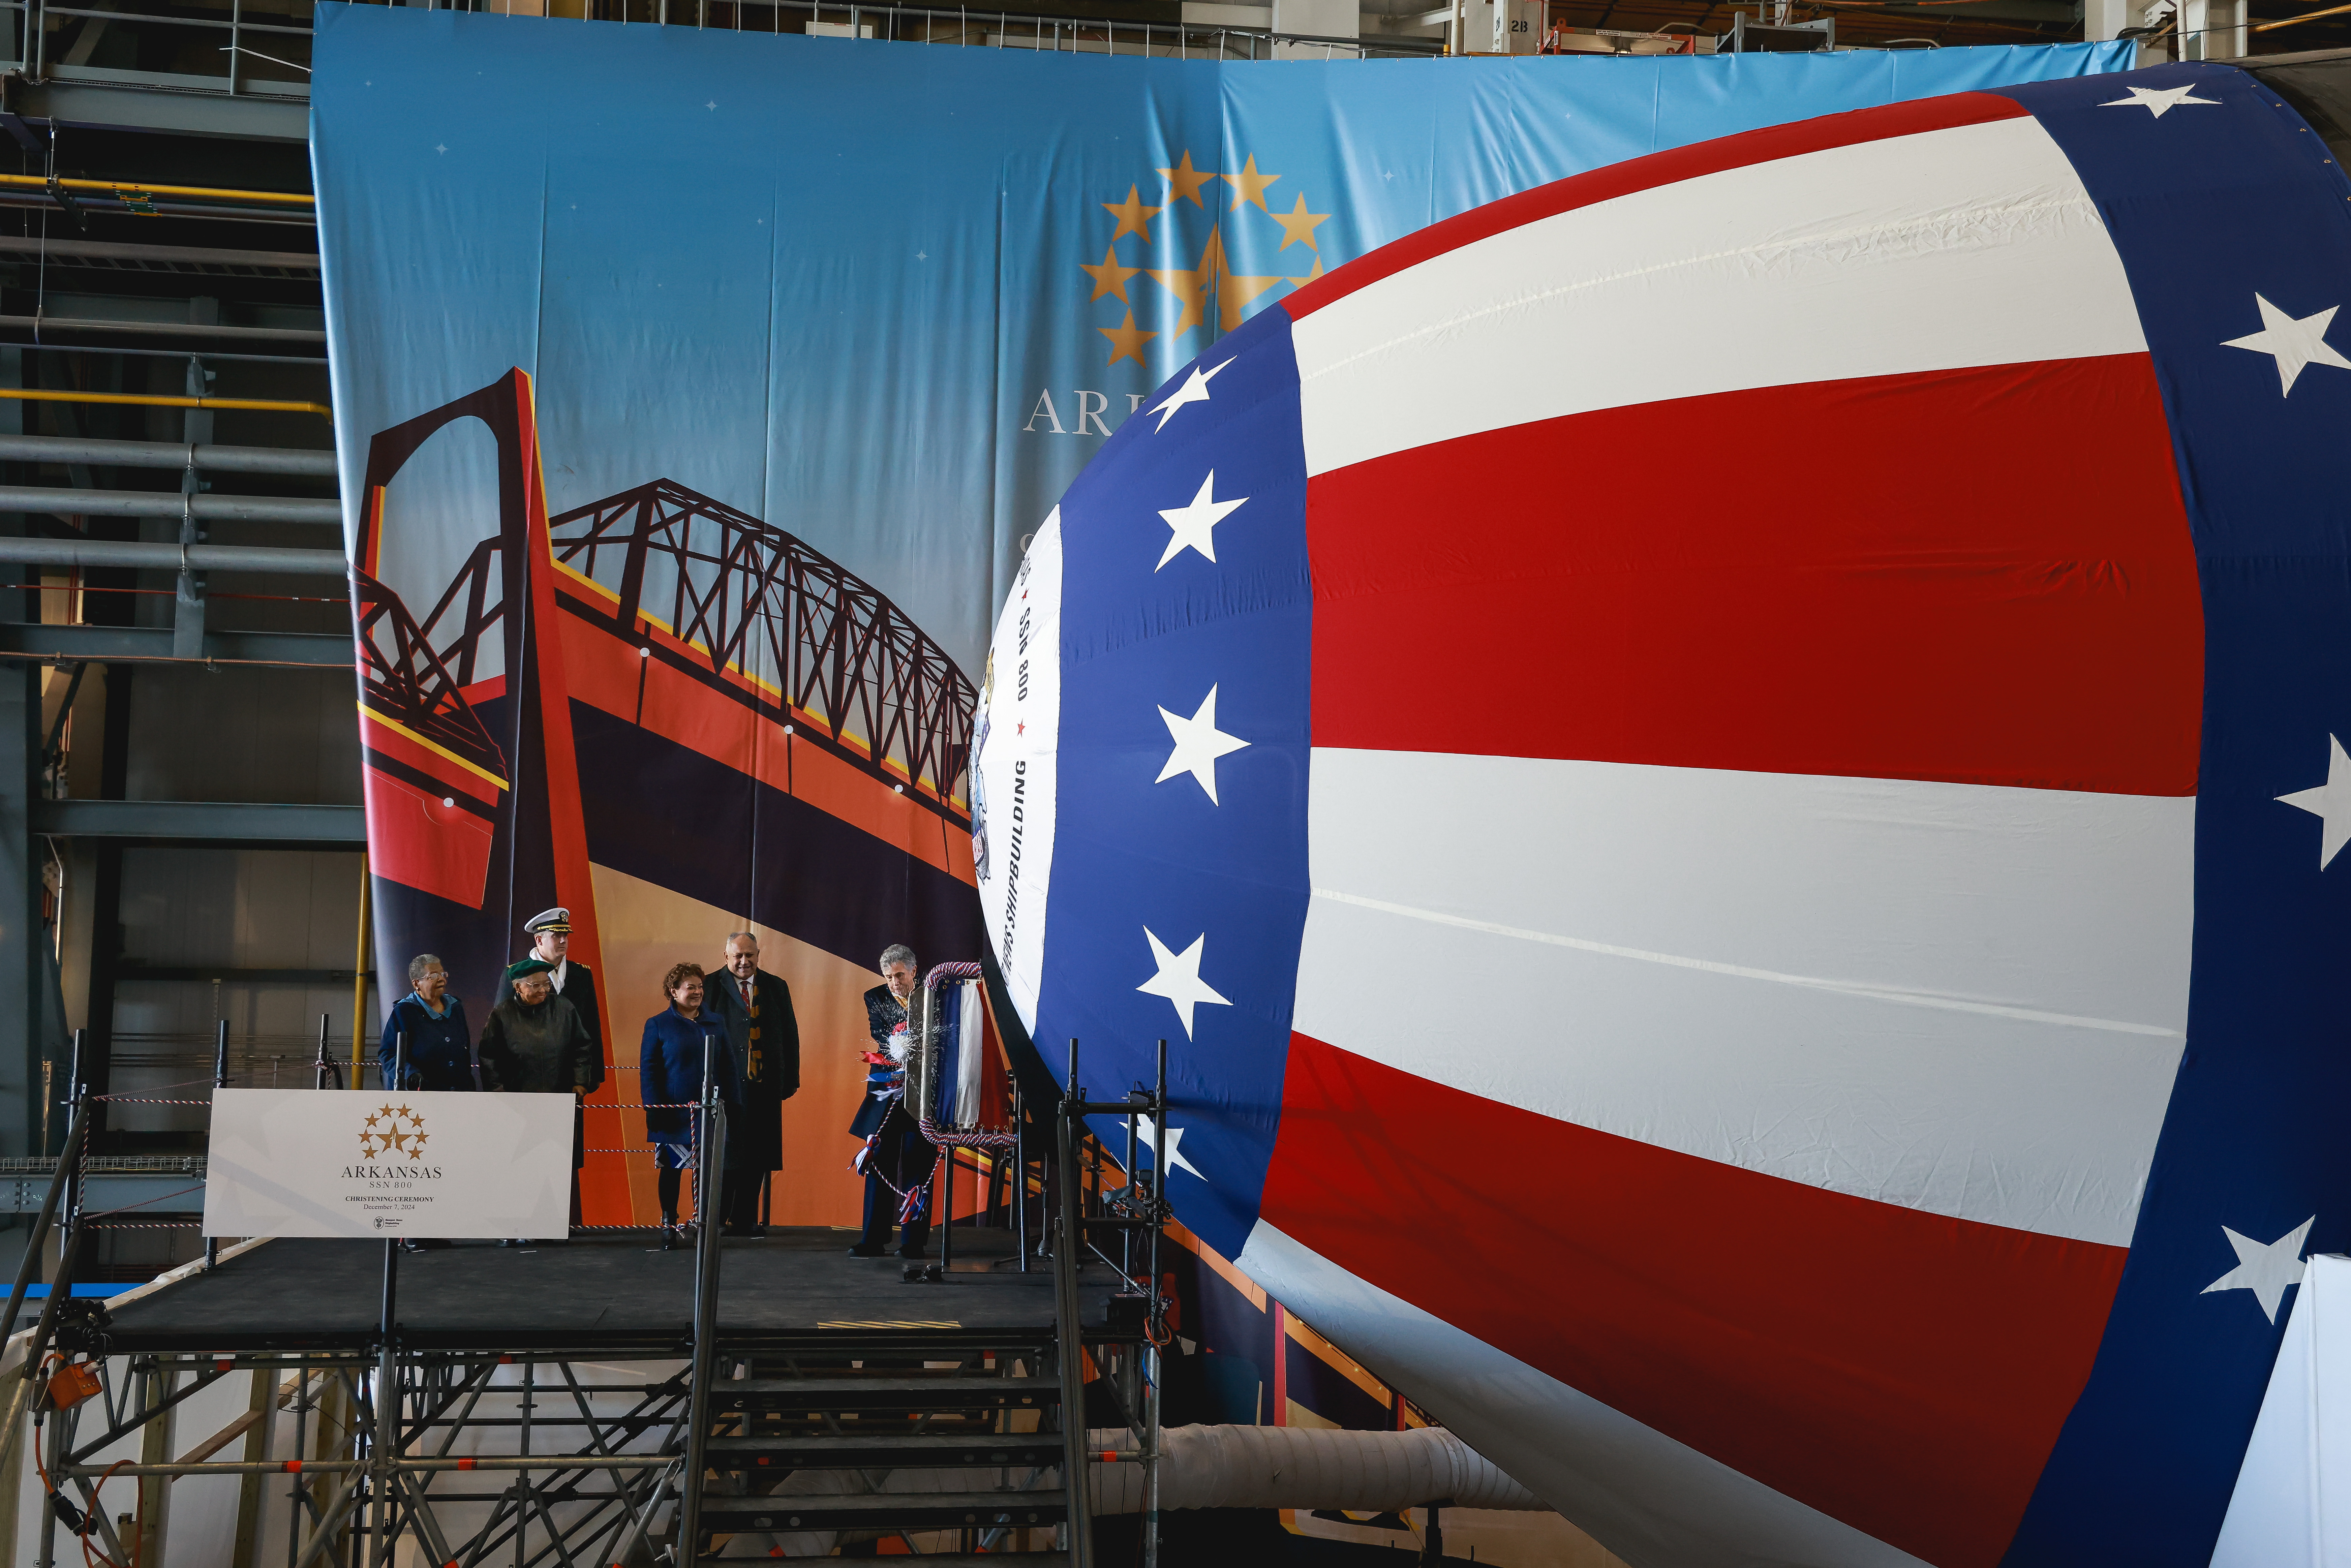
(162, 400)
(360, 980)
(2305, 17)
(35, 182)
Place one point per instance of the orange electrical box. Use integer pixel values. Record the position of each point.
(71, 1384)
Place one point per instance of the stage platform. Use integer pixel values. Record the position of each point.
(607, 1291)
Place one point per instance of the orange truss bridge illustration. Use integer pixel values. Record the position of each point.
(634, 682)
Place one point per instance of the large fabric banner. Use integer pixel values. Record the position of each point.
(693, 429)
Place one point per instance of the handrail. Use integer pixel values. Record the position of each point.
(20, 1389)
(709, 1167)
(164, 400)
(36, 182)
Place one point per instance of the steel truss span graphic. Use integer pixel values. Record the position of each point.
(788, 632)
(765, 608)
(756, 605)
(769, 621)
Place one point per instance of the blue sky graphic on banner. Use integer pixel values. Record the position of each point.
(690, 438)
(880, 296)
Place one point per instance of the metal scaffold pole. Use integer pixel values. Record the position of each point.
(1155, 1321)
(710, 1161)
(385, 1412)
(220, 1081)
(1068, 1257)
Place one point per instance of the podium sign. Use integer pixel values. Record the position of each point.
(325, 1162)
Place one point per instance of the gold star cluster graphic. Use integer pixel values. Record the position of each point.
(392, 1130)
(1210, 283)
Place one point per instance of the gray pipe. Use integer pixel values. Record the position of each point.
(165, 329)
(174, 558)
(1305, 1467)
(1213, 1467)
(168, 454)
(167, 504)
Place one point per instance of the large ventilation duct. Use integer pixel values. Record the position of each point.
(146, 556)
(1309, 1468)
(1200, 1467)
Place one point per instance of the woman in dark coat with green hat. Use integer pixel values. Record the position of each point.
(534, 1043)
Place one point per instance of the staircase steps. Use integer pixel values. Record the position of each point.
(892, 1510)
(904, 1450)
(963, 1560)
(911, 1391)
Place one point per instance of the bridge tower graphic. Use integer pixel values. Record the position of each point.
(659, 684)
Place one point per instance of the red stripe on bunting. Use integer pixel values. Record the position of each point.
(1823, 578)
(1904, 1373)
(1740, 152)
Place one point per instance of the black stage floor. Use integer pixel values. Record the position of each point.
(606, 1290)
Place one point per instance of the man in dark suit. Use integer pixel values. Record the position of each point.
(897, 1148)
(756, 1008)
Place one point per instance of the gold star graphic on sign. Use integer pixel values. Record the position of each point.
(1298, 224)
(1185, 181)
(1213, 279)
(1249, 185)
(1126, 340)
(1312, 273)
(1134, 218)
(1193, 284)
(1110, 277)
(1234, 292)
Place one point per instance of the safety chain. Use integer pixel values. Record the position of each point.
(599, 1105)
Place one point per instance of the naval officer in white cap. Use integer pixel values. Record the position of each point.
(550, 937)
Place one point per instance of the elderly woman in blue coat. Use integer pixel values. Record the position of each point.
(678, 1040)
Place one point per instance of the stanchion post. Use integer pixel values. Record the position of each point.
(220, 1081)
(78, 1092)
(1126, 1236)
(1020, 1171)
(946, 1206)
(1159, 1165)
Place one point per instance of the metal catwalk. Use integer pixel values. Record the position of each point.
(603, 1401)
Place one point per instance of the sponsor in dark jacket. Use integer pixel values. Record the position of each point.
(431, 1050)
(535, 1044)
(550, 943)
(678, 1042)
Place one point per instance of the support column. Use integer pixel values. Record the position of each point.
(156, 1447)
(21, 973)
(2103, 20)
(2211, 30)
(197, 426)
(262, 1402)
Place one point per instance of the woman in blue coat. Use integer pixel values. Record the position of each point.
(678, 1040)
